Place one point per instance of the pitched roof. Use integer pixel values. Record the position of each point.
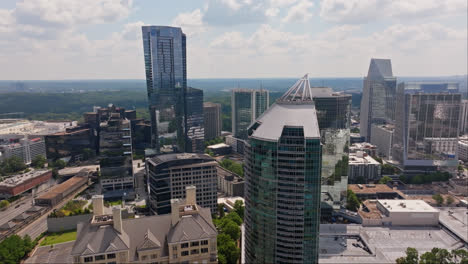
(380, 68)
(192, 227)
(98, 239)
(7, 225)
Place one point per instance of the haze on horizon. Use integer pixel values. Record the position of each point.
(101, 39)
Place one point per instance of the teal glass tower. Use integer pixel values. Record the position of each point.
(282, 174)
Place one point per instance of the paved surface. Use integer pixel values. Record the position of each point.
(59, 253)
(39, 226)
(456, 221)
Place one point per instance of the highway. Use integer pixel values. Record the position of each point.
(11, 211)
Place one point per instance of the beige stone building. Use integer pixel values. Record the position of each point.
(187, 235)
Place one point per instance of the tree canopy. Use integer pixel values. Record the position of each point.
(352, 202)
(436, 255)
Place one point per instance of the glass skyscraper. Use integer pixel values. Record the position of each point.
(333, 114)
(194, 120)
(426, 127)
(247, 105)
(282, 174)
(166, 80)
(378, 96)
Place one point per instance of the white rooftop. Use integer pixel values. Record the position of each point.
(407, 206)
(219, 145)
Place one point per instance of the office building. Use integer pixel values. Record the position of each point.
(166, 80)
(368, 148)
(169, 174)
(282, 178)
(463, 149)
(213, 124)
(237, 144)
(24, 147)
(229, 183)
(194, 123)
(115, 149)
(363, 168)
(17, 184)
(333, 115)
(464, 117)
(247, 105)
(383, 139)
(187, 235)
(71, 142)
(378, 96)
(426, 128)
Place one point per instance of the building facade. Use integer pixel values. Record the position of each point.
(24, 148)
(187, 235)
(194, 120)
(115, 149)
(71, 142)
(166, 80)
(333, 115)
(282, 177)
(363, 168)
(426, 128)
(463, 149)
(464, 117)
(229, 183)
(247, 105)
(383, 139)
(213, 124)
(378, 96)
(169, 174)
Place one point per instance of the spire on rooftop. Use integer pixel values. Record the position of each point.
(299, 92)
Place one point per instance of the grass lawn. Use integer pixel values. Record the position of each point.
(55, 238)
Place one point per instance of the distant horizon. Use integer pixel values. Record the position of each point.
(230, 78)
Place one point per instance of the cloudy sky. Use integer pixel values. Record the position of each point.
(101, 39)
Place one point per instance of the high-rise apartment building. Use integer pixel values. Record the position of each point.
(166, 80)
(333, 115)
(426, 127)
(378, 96)
(282, 177)
(194, 120)
(169, 174)
(115, 149)
(464, 118)
(247, 105)
(213, 125)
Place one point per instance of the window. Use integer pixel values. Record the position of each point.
(194, 252)
(110, 256)
(144, 257)
(100, 257)
(204, 250)
(184, 245)
(194, 244)
(204, 242)
(184, 253)
(88, 259)
(174, 247)
(154, 256)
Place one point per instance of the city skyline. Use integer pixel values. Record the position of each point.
(101, 39)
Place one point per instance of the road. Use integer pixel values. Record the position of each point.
(39, 226)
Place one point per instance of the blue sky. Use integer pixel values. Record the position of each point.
(101, 39)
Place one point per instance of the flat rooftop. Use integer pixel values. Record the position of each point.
(407, 206)
(456, 220)
(356, 158)
(370, 188)
(63, 187)
(220, 145)
(21, 178)
(386, 243)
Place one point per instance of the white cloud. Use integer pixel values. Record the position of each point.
(191, 22)
(300, 12)
(363, 11)
(272, 12)
(282, 3)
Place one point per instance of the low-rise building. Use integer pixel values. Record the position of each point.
(236, 144)
(374, 191)
(220, 149)
(230, 183)
(61, 191)
(24, 148)
(463, 149)
(364, 147)
(460, 186)
(356, 138)
(18, 184)
(363, 168)
(398, 213)
(187, 235)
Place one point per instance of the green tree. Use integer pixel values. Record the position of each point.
(412, 257)
(438, 198)
(449, 200)
(88, 153)
(233, 216)
(232, 229)
(352, 202)
(227, 249)
(239, 208)
(436, 255)
(4, 203)
(220, 210)
(38, 162)
(59, 164)
(12, 165)
(384, 180)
